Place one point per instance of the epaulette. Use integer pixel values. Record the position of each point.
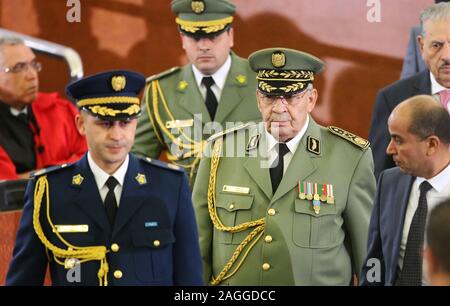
(162, 74)
(162, 164)
(356, 140)
(50, 170)
(233, 129)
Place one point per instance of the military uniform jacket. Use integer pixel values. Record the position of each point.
(296, 246)
(173, 107)
(155, 233)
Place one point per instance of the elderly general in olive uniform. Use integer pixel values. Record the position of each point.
(110, 218)
(286, 201)
(216, 86)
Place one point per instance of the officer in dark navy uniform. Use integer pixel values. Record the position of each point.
(110, 218)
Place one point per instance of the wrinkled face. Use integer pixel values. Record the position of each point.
(18, 89)
(285, 117)
(408, 151)
(435, 49)
(208, 54)
(109, 142)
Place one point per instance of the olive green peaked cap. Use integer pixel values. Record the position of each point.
(203, 18)
(282, 71)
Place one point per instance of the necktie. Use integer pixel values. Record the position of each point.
(411, 274)
(23, 118)
(211, 101)
(444, 96)
(276, 173)
(110, 200)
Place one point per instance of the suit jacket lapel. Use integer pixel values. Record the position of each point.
(398, 213)
(302, 163)
(88, 197)
(423, 83)
(254, 162)
(132, 194)
(190, 98)
(231, 94)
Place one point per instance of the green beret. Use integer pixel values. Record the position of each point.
(203, 18)
(282, 71)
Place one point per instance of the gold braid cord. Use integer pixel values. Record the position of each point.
(257, 225)
(83, 254)
(195, 148)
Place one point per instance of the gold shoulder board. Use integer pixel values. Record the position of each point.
(233, 129)
(358, 141)
(162, 74)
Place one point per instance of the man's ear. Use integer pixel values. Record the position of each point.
(433, 144)
(420, 43)
(79, 122)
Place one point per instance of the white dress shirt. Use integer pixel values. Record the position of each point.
(16, 112)
(291, 144)
(219, 79)
(437, 194)
(101, 177)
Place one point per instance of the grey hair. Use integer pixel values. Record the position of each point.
(9, 41)
(435, 12)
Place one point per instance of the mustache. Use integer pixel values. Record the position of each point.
(446, 64)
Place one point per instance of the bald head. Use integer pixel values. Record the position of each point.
(425, 117)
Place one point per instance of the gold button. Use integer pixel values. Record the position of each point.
(271, 212)
(268, 239)
(118, 274)
(266, 266)
(231, 206)
(156, 243)
(115, 247)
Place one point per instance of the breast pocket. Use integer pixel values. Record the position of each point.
(311, 230)
(233, 209)
(153, 254)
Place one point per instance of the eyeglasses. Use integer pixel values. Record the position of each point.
(290, 100)
(23, 67)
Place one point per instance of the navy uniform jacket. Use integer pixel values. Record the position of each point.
(157, 208)
(387, 99)
(386, 227)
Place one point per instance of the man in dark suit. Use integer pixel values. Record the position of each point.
(434, 45)
(437, 251)
(110, 218)
(420, 138)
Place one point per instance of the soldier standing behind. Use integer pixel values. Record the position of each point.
(294, 208)
(217, 86)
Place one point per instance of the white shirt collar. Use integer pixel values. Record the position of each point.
(291, 144)
(101, 176)
(16, 112)
(438, 182)
(220, 76)
(435, 86)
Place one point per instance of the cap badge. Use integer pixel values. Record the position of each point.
(198, 6)
(118, 82)
(278, 59)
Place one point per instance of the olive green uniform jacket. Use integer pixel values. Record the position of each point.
(174, 107)
(296, 245)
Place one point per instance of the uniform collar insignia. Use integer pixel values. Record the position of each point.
(313, 145)
(253, 142)
(182, 85)
(241, 79)
(77, 180)
(141, 179)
